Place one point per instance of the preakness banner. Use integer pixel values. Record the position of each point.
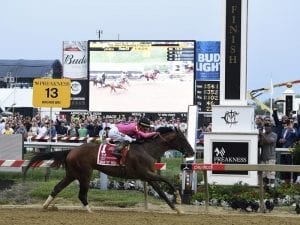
(75, 59)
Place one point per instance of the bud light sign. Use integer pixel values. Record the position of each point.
(208, 60)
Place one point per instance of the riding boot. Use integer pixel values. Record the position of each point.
(117, 151)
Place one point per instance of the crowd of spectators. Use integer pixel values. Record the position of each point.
(76, 126)
(287, 133)
(287, 128)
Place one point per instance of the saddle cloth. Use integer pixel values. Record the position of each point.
(105, 156)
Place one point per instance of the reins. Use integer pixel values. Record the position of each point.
(166, 141)
(173, 146)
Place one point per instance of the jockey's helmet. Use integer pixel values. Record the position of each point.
(145, 122)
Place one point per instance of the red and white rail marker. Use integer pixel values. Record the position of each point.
(160, 166)
(21, 163)
(203, 166)
(47, 163)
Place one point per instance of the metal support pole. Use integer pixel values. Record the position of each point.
(47, 172)
(261, 191)
(146, 194)
(206, 189)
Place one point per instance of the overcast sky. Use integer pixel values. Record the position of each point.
(35, 29)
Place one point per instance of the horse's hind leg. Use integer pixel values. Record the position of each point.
(58, 188)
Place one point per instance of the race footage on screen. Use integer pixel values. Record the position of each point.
(147, 76)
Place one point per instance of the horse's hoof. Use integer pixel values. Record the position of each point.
(87, 207)
(178, 198)
(179, 211)
(178, 201)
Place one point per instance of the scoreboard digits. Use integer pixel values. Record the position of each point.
(180, 54)
(175, 51)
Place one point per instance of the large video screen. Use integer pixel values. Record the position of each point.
(141, 76)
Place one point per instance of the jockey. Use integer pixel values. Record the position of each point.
(123, 76)
(125, 133)
(103, 77)
(98, 77)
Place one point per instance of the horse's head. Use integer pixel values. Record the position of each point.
(176, 140)
(156, 71)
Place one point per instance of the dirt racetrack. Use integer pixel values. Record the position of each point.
(143, 96)
(34, 215)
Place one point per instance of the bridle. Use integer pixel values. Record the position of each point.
(166, 141)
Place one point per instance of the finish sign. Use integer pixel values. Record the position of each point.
(51, 93)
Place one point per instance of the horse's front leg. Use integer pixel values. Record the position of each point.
(112, 89)
(156, 177)
(171, 187)
(162, 194)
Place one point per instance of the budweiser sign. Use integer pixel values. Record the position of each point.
(75, 59)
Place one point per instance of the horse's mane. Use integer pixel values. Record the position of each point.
(163, 130)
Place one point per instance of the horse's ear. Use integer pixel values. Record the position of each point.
(179, 131)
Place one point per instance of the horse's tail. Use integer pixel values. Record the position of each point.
(58, 157)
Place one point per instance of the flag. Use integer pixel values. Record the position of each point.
(271, 88)
(271, 94)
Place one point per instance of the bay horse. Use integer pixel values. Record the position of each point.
(118, 84)
(80, 162)
(150, 75)
(100, 80)
(96, 82)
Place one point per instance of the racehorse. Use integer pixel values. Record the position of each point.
(120, 84)
(139, 164)
(150, 75)
(100, 80)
